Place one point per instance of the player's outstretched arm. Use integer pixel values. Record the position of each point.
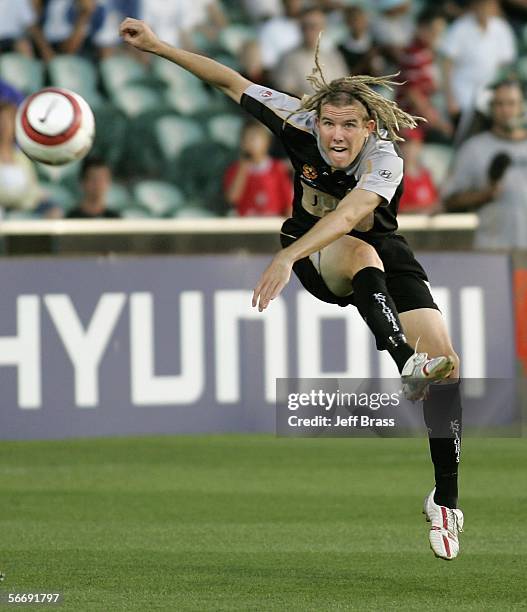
(351, 209)
(139, 35)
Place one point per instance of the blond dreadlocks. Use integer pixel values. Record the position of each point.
(386, 113)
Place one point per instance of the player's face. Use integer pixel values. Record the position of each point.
(343, 132)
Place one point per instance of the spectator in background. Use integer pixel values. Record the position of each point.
(257, 184)
(96, 180)
(167, 19)
(211, 19)
(420, 75)
(294, 66)
(260, 10)
(420, 194)
(358, 50)
(280, 34)
(392, 29)
(68, 24)
(107, 38)
(490, 174)
(474, 48)
(250, 58)
(18, 20)
(19, 188)
(451, 9)
(175, 20)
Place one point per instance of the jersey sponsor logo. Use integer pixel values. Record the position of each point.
(309, 172)
(386, 174)
(316, 202)
(267, 93)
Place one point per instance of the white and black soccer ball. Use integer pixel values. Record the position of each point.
(55, 126)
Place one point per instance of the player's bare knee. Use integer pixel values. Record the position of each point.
(364, 256)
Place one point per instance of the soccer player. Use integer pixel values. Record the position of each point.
(341, 240)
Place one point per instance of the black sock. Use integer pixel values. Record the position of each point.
(442, 414)
(378, 310)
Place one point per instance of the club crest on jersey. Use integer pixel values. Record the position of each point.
(386, 174)
(309, 172)
(266, 94)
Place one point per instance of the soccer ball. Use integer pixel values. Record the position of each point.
(55, 126)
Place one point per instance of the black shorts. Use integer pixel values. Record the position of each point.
(405, 277)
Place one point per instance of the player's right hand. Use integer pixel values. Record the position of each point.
(138, 34)
(272, 281)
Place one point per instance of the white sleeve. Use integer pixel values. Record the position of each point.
(451, 44)
(470, 167)
(509, 51)
(382, 175)
(27, 14)
(468, 170)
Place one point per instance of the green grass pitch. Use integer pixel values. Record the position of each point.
(252, 522)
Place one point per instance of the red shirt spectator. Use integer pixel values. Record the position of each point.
(418, 67)
(420, 73)
(257, 184)
(267, 191)
(420, 194)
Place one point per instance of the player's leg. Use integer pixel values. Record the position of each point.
(423, 324)
(442, 415)
(426, 328)
(350, 265)
(442, 407)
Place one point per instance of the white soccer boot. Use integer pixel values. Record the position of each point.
(419, 371)
(447, 523)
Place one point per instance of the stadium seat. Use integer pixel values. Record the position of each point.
(19, 215)
(110, 134)
(67, 173)
(235, 10)
(437, 158)
(225, 129)
(173, 75)
(161, 199)
(22, 72)
(233, 37)
(118, 197)
(203, 182)
(136, 99)
(194, 212)
(120, 70)
(175, 133)
(521, 66)
(75, 73)
(58, 194)
(135, 212)
(187, 100)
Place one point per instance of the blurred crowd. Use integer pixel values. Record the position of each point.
(463, 64)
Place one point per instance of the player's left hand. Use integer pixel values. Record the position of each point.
(273, 280)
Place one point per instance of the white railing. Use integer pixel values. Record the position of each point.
(231, 225)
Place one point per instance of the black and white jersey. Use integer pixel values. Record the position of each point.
(319, 189)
